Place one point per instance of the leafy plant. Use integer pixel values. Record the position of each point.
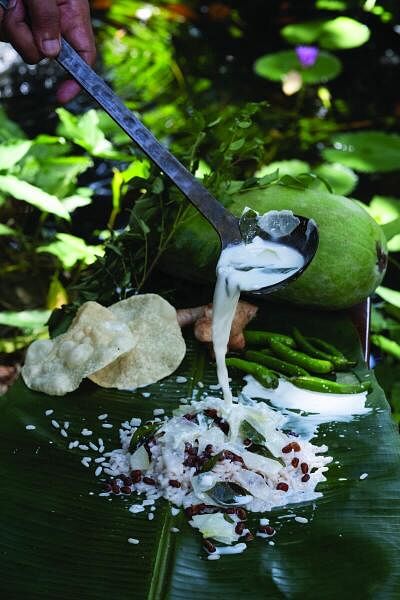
(333, 34)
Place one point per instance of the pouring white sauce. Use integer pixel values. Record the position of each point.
(249, 267)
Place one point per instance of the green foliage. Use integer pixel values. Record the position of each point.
(386, 211)
(341, 179)
(333, 34)
(22, 190)
(365, 151)
(70, 249)
(276, 66)
(27, 320)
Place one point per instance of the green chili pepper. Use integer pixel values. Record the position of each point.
(267, 378)
(260, 338)
(274, 363)
(317, 384)
(307, 346)
(316, 365)
(325, 347)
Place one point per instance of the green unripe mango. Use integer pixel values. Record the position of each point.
(350, 262)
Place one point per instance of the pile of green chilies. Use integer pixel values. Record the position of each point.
(300, 359)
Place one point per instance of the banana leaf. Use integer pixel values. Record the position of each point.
(61, 540)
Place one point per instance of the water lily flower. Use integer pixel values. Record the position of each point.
(307, 55)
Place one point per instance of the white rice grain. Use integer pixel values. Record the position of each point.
(83, 447)
(133, 541)
(107, 425)
(98, 471)
(55, 424)
(102, 417)
(86, 432)
(49, 412)
(364, 476)
(136, 508)
(63, 433)
(301, 519)
(30, 427)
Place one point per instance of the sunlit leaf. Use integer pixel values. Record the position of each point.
(58, 175)
(83, 197)
(5, 230)
(365, 151)
(391, 229)
(28, 320)
(276, 66)
(12, 152)
(70, 249)
(21, 190)
(57, 294)
(85, 131)
(292, 167)
(137, 168)
(341, 179)
(391, 296)
(332, 34)
(384, 209)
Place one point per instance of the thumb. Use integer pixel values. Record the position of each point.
(45, 23)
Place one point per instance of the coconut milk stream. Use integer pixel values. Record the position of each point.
(245, 267)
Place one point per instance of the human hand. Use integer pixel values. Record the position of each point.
(34, 28)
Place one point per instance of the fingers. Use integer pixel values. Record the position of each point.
(45, 24)
(16, 31)
(76, 27)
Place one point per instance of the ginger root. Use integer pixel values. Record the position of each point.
(201, 316)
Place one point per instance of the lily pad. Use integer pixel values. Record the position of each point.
(332, 34)
(365, 151)
(276, 66)
(341, 179)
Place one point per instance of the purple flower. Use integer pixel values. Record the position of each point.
(307, 55)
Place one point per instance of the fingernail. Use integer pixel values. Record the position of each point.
(51, 47)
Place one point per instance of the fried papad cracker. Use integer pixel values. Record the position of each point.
(160, 348)
(95, 338)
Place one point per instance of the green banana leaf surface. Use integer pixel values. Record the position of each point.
(61, 540)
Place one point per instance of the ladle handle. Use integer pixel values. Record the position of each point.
(205, 202)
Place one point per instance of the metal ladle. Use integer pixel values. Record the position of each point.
(304, 238)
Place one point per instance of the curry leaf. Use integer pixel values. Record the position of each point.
(226, 493)
(247, 431)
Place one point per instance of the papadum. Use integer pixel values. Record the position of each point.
(95, 338)
(159, 350)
